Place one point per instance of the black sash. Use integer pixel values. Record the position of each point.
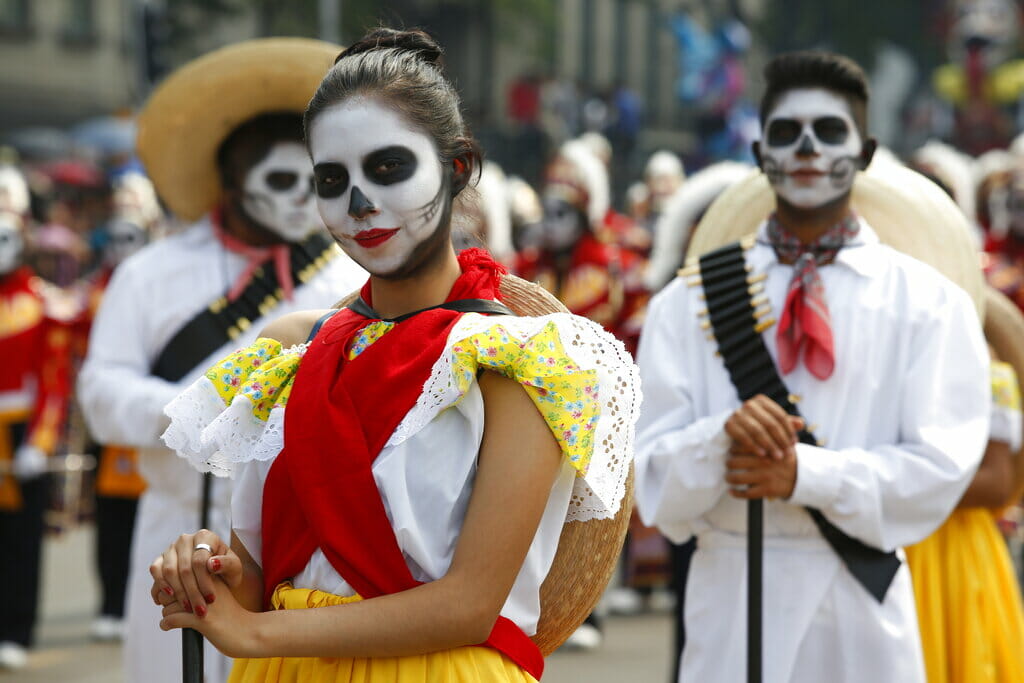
(731, 310)
(461, 305)
(222, 320)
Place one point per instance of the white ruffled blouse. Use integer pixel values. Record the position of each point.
(581, 379)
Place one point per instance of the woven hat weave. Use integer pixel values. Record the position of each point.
(194, 110)
(909, 212)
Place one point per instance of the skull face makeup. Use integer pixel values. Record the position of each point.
(380, 186)
(810, 147)
(278, 192)
(563, 225)
(124, 239)
(11, 243)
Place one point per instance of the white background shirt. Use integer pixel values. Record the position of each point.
(904, 419)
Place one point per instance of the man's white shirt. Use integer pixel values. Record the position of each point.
(903, 421)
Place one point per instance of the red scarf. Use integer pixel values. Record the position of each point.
(254, 257)
(806, 326)
(316, 496)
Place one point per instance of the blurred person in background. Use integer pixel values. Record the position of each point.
(135, 217)
(578, 258)
(77, 206)
(34, 390)
(222, 141)
(968, 599)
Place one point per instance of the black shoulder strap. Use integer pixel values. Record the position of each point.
(736, 322)
(222, 320)
(461, 305)
(320, 323)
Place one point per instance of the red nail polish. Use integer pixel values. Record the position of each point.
(200, 611)
(215, 563)
(168, 590)
(210, 598)
(188, 606)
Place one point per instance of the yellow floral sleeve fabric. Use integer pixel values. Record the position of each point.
(1005, 391)
(262, 372)
(565, 394)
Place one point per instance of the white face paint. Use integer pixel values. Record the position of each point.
(379, 183)
(124, 238)
(563, 225)
(810, 147)
(11, 244)
(278, 192)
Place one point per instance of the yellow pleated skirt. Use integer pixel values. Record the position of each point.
(968, 602)
(459, 665)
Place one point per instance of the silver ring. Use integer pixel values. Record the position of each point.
(203, 546)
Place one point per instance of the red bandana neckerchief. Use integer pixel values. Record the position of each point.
(255, 257)
(319, 496)
(806, 324)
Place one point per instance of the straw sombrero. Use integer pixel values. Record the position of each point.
(192, 112)
(587, 551)
(909, 212)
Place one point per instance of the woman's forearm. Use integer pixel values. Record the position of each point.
(434, 616)
(993, 484)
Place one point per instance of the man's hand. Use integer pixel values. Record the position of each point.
(761, 427)
(752, 476)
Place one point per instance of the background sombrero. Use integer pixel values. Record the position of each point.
(192, 112)
(909, 212)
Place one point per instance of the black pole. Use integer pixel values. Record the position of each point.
(192, 640)
(755, 555)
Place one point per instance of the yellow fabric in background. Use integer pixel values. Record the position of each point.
(968, 602)
(460, 665)
(10, 492)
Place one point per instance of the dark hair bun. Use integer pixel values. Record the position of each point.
(417, 40)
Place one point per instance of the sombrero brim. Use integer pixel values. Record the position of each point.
(192, 112)
(909, 212)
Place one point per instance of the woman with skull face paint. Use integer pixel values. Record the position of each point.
(883, 355)
(412, 498)
(34, 389)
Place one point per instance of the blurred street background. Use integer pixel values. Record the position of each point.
(663, 92)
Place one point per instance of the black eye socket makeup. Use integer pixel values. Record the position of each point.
(330, 179)
(281, 180)
(782, 132)
(390, 165)
(830, 130)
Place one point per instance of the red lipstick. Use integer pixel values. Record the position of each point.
(374, 238)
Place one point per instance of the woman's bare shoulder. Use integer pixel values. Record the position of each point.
(293, 328)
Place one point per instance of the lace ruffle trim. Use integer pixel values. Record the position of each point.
(215, 437)
(590, 350)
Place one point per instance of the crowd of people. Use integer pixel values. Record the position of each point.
(184, 308)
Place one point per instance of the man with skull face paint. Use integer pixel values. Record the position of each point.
(33, 400)
(221, 140)
(409, 461)
(881, 351)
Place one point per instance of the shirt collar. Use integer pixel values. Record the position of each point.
(860, 256)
